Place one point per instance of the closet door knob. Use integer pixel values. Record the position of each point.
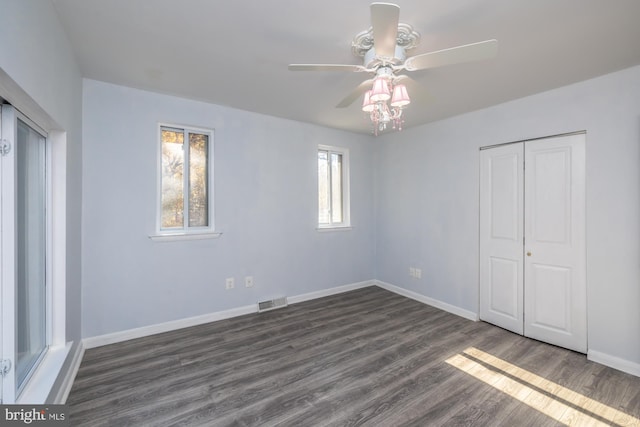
(528, 253)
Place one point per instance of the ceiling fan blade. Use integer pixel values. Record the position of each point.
(356, 93)
(417, 92)
(326, 67)
(455, 55)
(384, 20)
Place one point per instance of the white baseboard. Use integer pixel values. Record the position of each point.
(429, 301)
(331, 291)
(614, 362)
(65, 388)
(144, 331)
(129, 334)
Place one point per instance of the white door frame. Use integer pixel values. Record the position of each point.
(10, 389)
(58, 145)
(8, 256)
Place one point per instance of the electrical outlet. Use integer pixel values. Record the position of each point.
(230, 283)
(412, 272)
(418, 273)
(248, 281)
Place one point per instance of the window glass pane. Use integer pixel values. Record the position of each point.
(336, 188)
(31, 241)
(172, 178)
(198, 179)
(323, 187)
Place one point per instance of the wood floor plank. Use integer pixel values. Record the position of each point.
(366, 357)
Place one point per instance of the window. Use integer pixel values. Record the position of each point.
(333, 187)
(185, 180)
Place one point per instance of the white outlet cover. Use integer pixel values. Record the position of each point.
(248, 281)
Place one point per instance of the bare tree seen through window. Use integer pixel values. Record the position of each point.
(184, 169)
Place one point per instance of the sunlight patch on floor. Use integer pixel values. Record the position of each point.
(558, 402)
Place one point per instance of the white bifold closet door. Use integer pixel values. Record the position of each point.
(532, 239)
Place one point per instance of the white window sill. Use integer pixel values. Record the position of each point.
(39, 386)
(334, 228)
(184, 236)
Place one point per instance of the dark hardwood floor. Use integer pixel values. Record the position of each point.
(367, 357)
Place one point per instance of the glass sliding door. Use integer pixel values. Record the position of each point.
(31, 244)
(24, 241)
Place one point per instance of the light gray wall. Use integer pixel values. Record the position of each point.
(265, 172)
(417, 207)
(427, 200)
(36, 56)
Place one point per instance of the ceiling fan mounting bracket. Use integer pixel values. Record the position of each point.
(407, 38)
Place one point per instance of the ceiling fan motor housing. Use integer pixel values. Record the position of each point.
(384, 71)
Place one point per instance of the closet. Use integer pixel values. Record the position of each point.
(532, 239)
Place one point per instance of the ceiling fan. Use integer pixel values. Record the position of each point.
(383, 48)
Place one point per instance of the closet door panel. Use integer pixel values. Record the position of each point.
(555, 271)
(501, 233)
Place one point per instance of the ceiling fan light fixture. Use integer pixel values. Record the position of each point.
(400, 96)
(380, 91)
(367, 105)
(383, 49)
(382, 112)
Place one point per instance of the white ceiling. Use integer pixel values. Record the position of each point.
(235, 53)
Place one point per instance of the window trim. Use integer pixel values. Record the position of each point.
(173, 237)
(185, 233)
(346, 190)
